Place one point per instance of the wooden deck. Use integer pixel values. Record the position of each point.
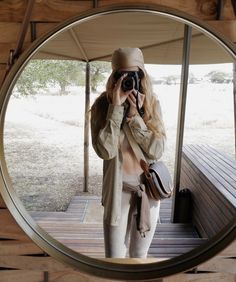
(80, 228)
(211, 178)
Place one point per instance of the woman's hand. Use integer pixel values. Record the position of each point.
(132, 100)
(119, 96)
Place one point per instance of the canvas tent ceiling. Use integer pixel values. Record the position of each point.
(159, 37)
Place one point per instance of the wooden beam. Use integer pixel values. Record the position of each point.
(21, 276)
(16, 247)
(75, 276)
(78, 44)
(5, 50)
(202, 9)
(3, 70)
(59, 10)
(9, 229)
(229, 251)
(33, 263)
(2, 75)
(225, 265)
(43, 28)
(23, 30)
(9, 32)
(44, 10)
(226, 27)
(2, 203)
(60, 276)
(204, 277)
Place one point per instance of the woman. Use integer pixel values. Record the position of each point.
(130, 217)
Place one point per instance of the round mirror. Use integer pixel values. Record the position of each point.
(51, 174)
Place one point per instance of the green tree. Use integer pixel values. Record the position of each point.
(40, 74)
(98, 70)
(219, 76)
(64, 74)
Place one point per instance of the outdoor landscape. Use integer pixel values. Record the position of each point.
(44, 131)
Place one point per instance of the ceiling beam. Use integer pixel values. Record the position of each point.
(56, 56)
(150, 46)
(78, 44)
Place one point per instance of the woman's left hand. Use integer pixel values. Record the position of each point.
(132, 101)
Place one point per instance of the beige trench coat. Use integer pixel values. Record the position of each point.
(106, 145)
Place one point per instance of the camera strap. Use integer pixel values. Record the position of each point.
(140, 110)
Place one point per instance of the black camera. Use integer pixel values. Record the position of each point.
(131, 81)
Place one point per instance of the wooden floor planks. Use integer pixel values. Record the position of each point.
(71, 229)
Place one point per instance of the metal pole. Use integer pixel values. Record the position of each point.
(181, 115)
(86, 127)
(33, 31)
(234, 101)
(95, 3)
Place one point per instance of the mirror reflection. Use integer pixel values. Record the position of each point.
(50, 154)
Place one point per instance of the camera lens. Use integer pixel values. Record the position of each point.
(128, 83)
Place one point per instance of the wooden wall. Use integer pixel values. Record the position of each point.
(20, 258)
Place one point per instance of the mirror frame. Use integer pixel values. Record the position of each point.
(103, 268)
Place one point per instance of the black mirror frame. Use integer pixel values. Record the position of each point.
(57, 250)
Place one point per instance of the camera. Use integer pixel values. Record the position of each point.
(131, 81)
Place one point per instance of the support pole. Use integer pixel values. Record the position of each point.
(86, 127)
(24, 28)
(181, 116)
(14, 54)
(234, 101)
(95, 3)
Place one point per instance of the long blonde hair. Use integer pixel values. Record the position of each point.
(152, 116)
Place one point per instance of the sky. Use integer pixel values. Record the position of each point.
(197, 70)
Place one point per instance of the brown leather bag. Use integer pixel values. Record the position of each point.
(158, 180)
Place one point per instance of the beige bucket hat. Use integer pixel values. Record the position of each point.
(127, 57)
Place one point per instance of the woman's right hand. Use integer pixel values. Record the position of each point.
(119, 96)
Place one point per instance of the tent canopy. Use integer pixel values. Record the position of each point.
(159, 37)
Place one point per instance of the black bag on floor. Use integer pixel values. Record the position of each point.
(183, 207)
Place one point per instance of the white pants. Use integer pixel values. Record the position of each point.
(125, 236)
